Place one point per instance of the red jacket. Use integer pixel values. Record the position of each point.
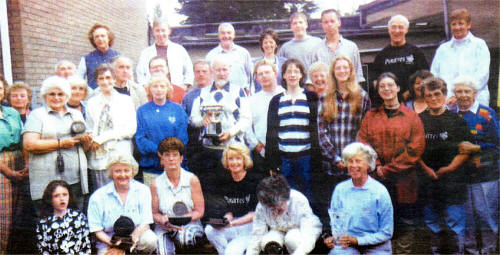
(399, 142)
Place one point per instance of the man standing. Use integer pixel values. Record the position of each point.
(241, 67)
(301, 45)
(177, 59)
(464, 54)
(202, 78)
(335, 45)
(65, 68)
(124, 81)
(400, 58)
(158, 66)
(223, 113)
(266, 73)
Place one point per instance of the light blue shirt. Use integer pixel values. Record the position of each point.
(105, 207)
(369, 210)
(241, 64)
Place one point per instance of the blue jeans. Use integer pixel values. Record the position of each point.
(443, 217)
(297, 172)
(481, 217)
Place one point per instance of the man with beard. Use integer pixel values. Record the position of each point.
(223, 113)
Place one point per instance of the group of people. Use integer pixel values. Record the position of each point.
(219, 151)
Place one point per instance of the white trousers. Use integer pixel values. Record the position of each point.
(230, 240)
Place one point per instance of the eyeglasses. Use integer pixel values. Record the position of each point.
(54, 94)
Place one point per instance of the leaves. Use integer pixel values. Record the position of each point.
(214, 11)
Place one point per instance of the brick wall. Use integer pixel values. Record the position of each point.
(42, 32)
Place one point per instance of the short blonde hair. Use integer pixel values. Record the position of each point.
(161, 79)
(20, 85)
(237, 149)
(76, 80)
(122, 159)
(318, 66)
(357, 148)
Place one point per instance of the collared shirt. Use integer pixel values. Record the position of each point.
(347, 48)
(136, 92)
(469, 56)
(334, 136)
(298, 214)
(105, 207)
(483, 125)
(52, 125)
(116, 139)
(260, 106)
(399, 142)
(180, 65)
(10, 127)
(367, 211)
(235, 116)
(241, 64)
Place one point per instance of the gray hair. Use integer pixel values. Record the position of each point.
(115, 59)
(122, 159)
(273, 190)
(318, 66)
(358, 148)
(225, 25)
(55, 82)
(465, 81)
(400, 17)
(221, 58)
(64, 61)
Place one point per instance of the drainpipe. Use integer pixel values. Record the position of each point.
(4, 37)
(445, 14)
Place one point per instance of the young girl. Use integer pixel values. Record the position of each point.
(61, 230)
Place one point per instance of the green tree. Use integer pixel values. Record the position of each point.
(212, 11)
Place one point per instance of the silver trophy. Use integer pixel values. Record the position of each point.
(215, 128)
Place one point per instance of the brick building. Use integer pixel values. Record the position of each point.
(42, 32)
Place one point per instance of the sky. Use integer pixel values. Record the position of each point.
(344, 6)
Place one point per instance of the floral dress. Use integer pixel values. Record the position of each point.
(63, 235)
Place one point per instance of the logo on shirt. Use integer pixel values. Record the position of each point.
(407, 60)
(237, 200)
(171, 119)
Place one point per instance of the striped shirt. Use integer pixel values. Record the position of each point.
(293, 130)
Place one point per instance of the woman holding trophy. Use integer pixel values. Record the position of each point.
(361, 212)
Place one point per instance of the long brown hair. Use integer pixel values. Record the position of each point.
(354, 97)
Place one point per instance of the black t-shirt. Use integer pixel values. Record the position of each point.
(443, 134)
(241, 197)
(401, 61)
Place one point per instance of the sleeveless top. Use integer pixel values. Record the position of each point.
(168, 195)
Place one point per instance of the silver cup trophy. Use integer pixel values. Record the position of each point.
(215, 128)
